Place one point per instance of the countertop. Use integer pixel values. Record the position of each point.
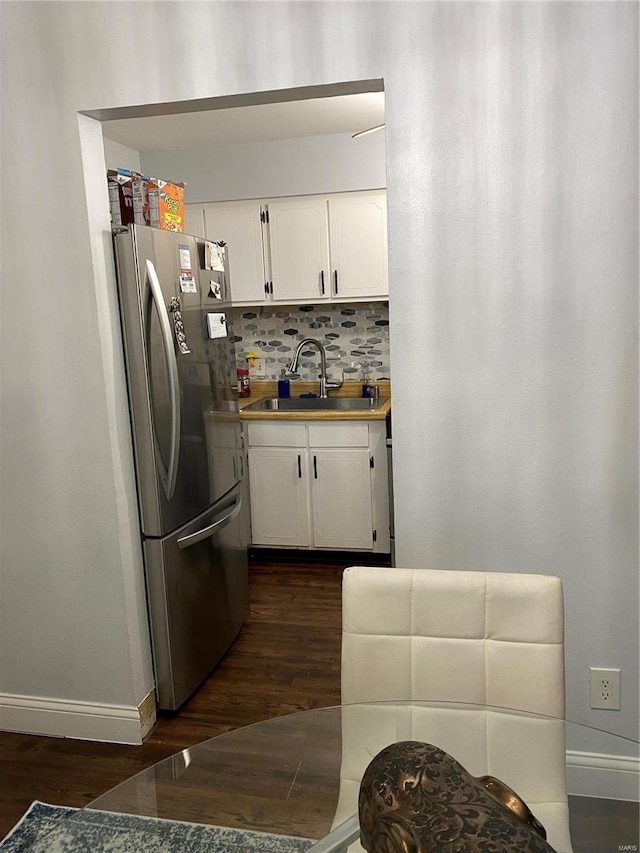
(261, 390)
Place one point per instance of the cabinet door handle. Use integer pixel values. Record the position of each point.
(299, 467)
(315, 467)
(335, 278)
(322, 281)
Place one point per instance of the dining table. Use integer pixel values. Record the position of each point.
(299, 775)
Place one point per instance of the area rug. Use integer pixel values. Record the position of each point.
(57, 829)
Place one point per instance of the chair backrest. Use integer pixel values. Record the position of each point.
(490, 639)
(482, 637)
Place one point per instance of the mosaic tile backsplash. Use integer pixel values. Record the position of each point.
(354, 336)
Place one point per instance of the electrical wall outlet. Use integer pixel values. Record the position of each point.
(259, 369)
(605, 688)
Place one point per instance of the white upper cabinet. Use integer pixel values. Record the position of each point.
(239, 225)
(299, 249)
(308, 249)
(358, 241)
(194, 220)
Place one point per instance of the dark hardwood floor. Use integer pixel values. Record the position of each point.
(286, 659)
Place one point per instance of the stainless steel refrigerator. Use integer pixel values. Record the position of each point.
(188, 451)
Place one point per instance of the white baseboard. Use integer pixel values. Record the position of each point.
(79, 720)
(613, 777)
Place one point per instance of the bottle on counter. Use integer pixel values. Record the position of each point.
(284, 388)
(366, 382)
(244, 383)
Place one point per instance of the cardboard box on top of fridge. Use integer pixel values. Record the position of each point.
(166, 205)
(120, 186)
(143, 200)
(140, 185)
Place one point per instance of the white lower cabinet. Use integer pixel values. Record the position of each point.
(319, 485)
(278, 486)
(341, 499)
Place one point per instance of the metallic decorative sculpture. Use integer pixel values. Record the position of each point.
(416, 798)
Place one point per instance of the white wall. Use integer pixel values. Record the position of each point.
(512, 189)
(284, 167)
(117, 156)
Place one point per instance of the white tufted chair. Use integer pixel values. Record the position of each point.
(466, 637)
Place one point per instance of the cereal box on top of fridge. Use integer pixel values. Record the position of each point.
(120, 185)
(140, 184)
(166, 205)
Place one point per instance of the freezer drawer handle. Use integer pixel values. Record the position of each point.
(206, 532)
(168, 475)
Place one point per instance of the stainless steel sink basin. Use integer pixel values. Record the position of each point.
(317, 404)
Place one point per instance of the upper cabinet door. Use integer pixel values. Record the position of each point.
(194, 220)
(299, 243)
(239, 225)
(358, 238)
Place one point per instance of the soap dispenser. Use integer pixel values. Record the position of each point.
(284, 388)
(366, 381)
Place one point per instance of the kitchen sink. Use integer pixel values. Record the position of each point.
(316, 404)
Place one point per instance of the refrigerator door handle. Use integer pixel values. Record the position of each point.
(178, 326)
(168, 475)
(206, 532)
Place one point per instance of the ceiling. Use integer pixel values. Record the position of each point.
(257, 123)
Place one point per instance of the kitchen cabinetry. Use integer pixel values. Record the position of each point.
(319, 485)
(194, 220)
(341, 498)
(239, 225)
(299, 249)
(358, 241)
(307, 249)
(278, 489)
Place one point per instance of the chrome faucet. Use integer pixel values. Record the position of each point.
(325, 384)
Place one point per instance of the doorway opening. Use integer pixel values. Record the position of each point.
(247, 156)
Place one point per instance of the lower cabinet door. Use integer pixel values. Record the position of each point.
(279, 492)
(341, 498)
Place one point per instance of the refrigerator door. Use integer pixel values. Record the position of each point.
(197, 586)
(181, 380)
